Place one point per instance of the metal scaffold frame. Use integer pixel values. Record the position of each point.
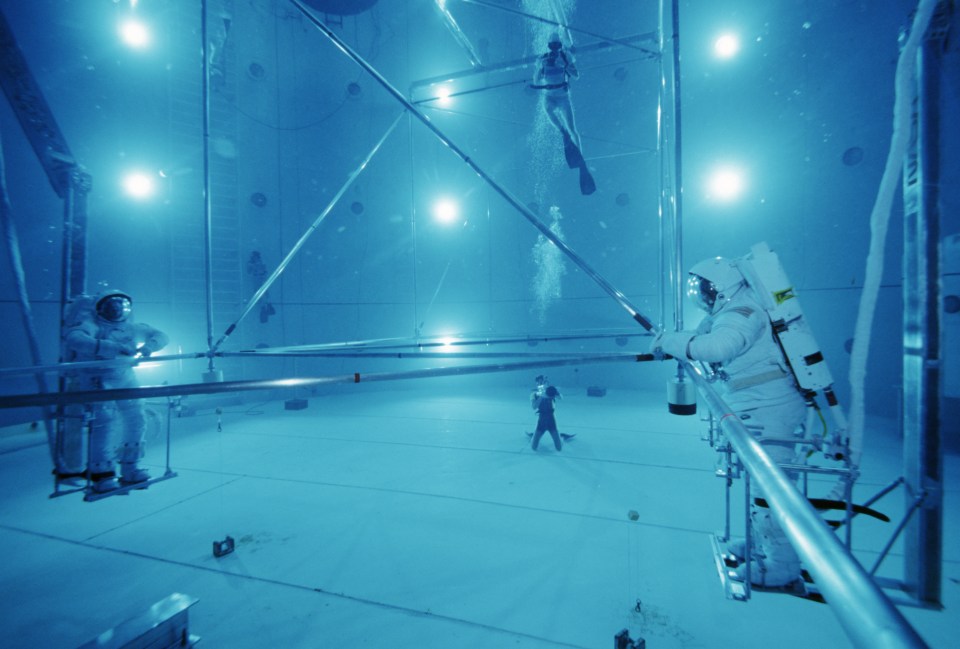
(867, 615)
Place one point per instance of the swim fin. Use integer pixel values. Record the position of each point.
(587, 184)
(571, 152)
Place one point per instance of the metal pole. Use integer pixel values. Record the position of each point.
(677, 178)
(93, 396)
(517, 64)
(868, 617)
(306, 235)
(452, 348)
(458, 34)
(747, 536)
(207, 201)
(556, 23)
(662, 206)
(413, 228)
(922, 446)
(510, 198)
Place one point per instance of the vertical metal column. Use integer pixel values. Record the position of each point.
(662, 202)
(923, 452)
(668, 146)
(207, 202)
(677, 178)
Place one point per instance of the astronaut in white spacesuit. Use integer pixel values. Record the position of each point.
(737, 340)
(106, 330)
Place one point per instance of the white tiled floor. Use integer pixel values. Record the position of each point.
(418, 518)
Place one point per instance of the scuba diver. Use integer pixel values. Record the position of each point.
(543, 400)
(552, 76)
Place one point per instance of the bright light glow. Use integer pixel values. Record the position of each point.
(726, 46)
(447, 342)
(135, 34)
(443, 96)
(726, 184)
(139, 185)
(446, 210)
(145, 367)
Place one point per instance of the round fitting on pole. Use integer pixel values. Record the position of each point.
(681, 397)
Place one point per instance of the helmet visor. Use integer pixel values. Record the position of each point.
(702, 291)
(115, 308)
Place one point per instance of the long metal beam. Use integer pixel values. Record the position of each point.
(304, 237)
(568, 28)
(360, 347)
(33, 112)
(207, 197)
(458, 35)
(68, 179)
(147, 392)
(922, 314)
(869, 618)
(524, 62)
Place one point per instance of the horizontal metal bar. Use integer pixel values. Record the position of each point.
(322, 349)
(127, 361)
(650, 36)
(449, 355)
(93, 396)
(807, 468)
(446, 342)
(518, 64)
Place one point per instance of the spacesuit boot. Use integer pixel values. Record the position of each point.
(104, 482)
(101, 460)
(132, 446)
(774, 562)
(130, 473)
(737, 549)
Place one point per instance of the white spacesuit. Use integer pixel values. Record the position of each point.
(737, 340)
(104, 331)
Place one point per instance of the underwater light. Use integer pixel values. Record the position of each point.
(139, 185)
(134, 33)
(726, 46)
(443, 96)
(726, 184)
(446, 210)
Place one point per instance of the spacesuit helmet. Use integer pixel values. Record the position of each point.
(114, 306)
(553, 41)
(712, 282)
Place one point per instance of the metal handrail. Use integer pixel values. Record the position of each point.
(869, 618)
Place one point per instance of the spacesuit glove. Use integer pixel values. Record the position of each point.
(113, 349)
(672, 342)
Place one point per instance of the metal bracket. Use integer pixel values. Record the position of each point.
(224, 547)
(92, 496)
